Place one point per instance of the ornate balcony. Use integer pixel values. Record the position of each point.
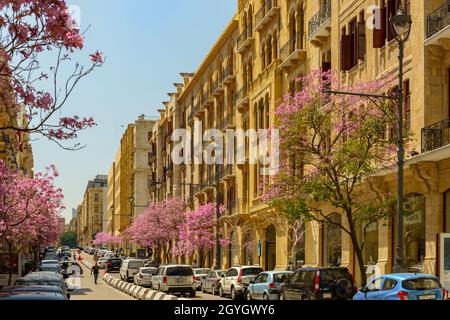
(436, 136)
(228, 75)
(290, 53)
(244, 40)
(241, 98)
(269, 12)
(320, 26)
(438, 26)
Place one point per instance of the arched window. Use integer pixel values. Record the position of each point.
(263, 56)
(332, 241)
(269, 50)
(271, 248)
(248, 249)
(250, 22)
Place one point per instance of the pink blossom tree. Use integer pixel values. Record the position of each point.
(29, 210)
(198, 232)
(331, 146)
(158, 226)
(30, 29)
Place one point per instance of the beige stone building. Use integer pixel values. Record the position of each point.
(128, 190)
(92, 211)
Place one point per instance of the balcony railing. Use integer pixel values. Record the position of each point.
(227, 72)
(236, 206)
(240, 95)
(436, 136)
(288, 49)
(242, 37)
(320, 18)
(265, 9)
(438, 20)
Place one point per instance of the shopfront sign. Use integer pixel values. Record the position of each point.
(444, 256)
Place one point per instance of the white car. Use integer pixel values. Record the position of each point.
(129, 268)
(237, 279)
(199, 276)
(109, 254)
(102, 263)
(144, 277)
(175, 279)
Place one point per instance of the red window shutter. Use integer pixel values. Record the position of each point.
(347, 52)
(361, 40)
(379, 35)
(391, 8)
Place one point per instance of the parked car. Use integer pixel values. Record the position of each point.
(199, 275)
(403, 287)
(236, 280)
(44, 279)
(55, 267)
(91, 251)
(32, 296)
(102, 263)
(144, 276)
(34, 288)
(266, 285)
(151, 263)
(71, 267)
(113, 265)
(109, 254)
(175, 279)
(129, 268)
(211, 283)
(319, 284)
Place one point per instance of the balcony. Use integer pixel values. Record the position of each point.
(228, 75)
(244, 40)
(438, 25)
(290, 53)
(320, 26)
(241, 98)
(237, 208)
(228, 122)
(206, 100)
(269, 12)
(230, 172)
(436, 136)
(216, 88)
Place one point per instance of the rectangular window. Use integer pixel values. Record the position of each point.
(96, 197)
(379, 33)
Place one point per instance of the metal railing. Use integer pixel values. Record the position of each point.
(240, 95)
(436, 136)
(288, 48)
(228, 71)
(438, 20)
(236, 206)
(320, 18)
(243, 37)
(264, 10)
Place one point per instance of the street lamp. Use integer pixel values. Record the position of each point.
(401, 26)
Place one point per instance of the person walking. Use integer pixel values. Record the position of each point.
(95, 271)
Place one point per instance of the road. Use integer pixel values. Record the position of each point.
(199, 296)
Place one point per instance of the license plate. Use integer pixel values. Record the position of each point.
(327, 296)
(428, 297)
(180, 280)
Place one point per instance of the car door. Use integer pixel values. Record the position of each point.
(389, 289)
(374, 289)
(254, 287)
(261, 286)
(229, 279)
(289, 286)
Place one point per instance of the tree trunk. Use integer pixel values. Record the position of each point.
(357, 248)
(11, 264)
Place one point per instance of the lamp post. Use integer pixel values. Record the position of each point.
(401, 27)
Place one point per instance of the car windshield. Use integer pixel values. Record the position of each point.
(331, 275)
(51, 267)
(179, 271)
(281, 277)
(50, 262)
(202, 271)
(251, 271)
(148, 271)
(135, 264)
(421, 284)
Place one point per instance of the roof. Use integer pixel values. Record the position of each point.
(404, 276)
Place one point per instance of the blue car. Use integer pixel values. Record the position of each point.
(406, 286)
(266, 285)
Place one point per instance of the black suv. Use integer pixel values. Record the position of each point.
(113, 265)
(319, 284)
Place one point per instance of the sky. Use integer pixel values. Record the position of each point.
(147, 43)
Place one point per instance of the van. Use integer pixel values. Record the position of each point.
(129, 268)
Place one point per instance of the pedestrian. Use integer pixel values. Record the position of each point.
(95, 270)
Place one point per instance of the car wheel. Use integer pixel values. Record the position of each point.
(266, 297)
(233, 293)
(193, 293)
(203, 288)
(248, 296)
(282, 296)
(221, 293)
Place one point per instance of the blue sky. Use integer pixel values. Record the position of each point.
(147, 44)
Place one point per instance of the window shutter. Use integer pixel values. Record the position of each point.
(379, 35)
(361, 40)
(347, 52)
(390, 12)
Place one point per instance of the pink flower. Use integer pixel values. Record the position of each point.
(97, 57)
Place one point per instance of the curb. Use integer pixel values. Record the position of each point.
(134, 291)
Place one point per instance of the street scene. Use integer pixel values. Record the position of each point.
(249, 150)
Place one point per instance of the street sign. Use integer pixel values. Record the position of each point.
(259, 248)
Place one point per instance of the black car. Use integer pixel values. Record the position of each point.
(319, 284)
(113, 265)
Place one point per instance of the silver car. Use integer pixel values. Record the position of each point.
(236, 280)
(175, 279)
(266, 285)
(199, 275)
(144, 277)
(211, 283)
